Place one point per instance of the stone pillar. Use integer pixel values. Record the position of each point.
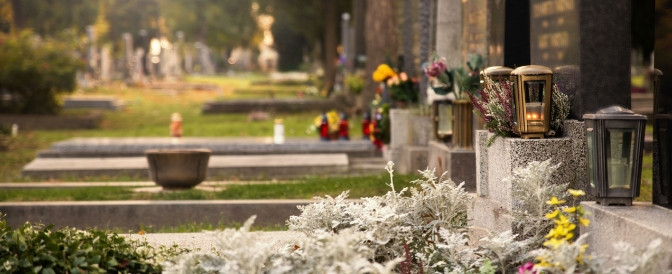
(449, 31)
(408, 36)
(425, 37)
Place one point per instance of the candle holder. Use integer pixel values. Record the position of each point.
(532, 100)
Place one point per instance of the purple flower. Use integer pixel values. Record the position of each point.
(527, 268)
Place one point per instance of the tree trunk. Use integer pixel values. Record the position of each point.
(330, 10)
(381, 40)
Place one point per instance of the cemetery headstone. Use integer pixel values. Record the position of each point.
(588, 43)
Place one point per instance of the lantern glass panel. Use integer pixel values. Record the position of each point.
(591, 156)
(534, 102)
(445, 126)
(620, 143)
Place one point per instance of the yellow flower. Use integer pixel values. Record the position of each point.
(552, 214)
(576, 192)
(555, 201)
(554, 243)
(378, 76)
(584, 221)
(569, 209)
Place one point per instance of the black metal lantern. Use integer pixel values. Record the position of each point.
(615, 147)
(443, 119)
(532, 100)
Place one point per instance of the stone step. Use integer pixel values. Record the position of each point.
(245, 167)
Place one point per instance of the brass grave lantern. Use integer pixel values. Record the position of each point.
(497, 73)
(532, 100)
(443, 119)
(615, 147)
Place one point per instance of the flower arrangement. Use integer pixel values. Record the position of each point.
(401, 87)
(495, 106)
(440, 77)
(466, 80)
(383, 72)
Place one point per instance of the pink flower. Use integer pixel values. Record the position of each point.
(435, 69)
(403, 76)
(527, 268)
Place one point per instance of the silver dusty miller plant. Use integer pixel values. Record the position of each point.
(240, 251)
(411, 217)
(532, 187)
(418, 229)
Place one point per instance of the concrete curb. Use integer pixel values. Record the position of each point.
(132, 214)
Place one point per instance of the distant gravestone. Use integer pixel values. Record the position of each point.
(128, 55)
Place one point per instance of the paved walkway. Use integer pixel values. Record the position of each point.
(206, 241)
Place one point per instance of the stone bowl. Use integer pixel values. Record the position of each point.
(178, 168)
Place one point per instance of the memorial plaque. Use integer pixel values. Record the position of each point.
(554, 32)
(587, 44)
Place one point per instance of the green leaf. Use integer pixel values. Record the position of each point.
(48, 270)
(112, 262)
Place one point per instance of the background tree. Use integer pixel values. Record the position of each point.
(219, 24)
(49, 17)
(6, 16)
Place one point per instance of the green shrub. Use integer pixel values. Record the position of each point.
(34, 71)
(39, 249)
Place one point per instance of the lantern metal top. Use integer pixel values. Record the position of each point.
(532, 70)
(657, 72)
(497, 70)
(614, 112)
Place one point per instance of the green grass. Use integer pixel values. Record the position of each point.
(307, 188)
(147, 114)
(646, 188)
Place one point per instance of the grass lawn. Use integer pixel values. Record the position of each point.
(307, 188)
(147, 114)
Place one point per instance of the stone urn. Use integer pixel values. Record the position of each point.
(178, 168)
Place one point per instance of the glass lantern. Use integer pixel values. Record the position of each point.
(532, 100)
(615, 138)
(443, 119)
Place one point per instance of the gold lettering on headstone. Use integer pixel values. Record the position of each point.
(542, 41)
(552, 7)
(560, 39)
